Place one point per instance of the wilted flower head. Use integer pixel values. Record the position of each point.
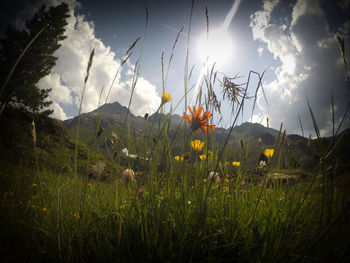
(128, 175)
(140, 192)
(197, 120)
(197, 145)
(187, 156)
(214, 177)
(269, 153)
(166, 97)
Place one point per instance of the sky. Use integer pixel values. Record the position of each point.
(291, 41)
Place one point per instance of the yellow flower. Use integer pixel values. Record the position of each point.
(122, 207)
(166, 97)
(227, 180)
(236, 164)
(177, 158)
(44, 209)
(203, 157)
(197, 145)
(76, 215)
(34, 185)
(269, 152)
(205, 180)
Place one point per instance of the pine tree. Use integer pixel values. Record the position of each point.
(21, 90)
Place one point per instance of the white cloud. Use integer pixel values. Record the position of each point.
(310, 66)
(58, 113)
(67, 76)
(60, 93)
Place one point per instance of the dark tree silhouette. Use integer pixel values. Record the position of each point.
(21, 89)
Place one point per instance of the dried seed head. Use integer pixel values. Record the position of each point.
(114, 138)
(309, 141)
(241, 142)
(99, 132)
(284, 134)
(33, 132)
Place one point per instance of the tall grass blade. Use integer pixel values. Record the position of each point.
(301, 126)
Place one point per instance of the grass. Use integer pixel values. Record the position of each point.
(172, 211)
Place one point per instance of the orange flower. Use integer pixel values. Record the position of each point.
(197, 120)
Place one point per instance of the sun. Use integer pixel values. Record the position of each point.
(215, 47)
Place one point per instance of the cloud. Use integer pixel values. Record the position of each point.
(67, 76)
(310, 67)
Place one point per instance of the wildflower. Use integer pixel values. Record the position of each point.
(269, 152)
(236, 164)
(262, 164)
(205, 180)
(76, 215)
(227, 180)
(203, 157)
(128, 175)
(44, 209)
(122, 206)
(34, 185)
(197, 145)
(89, 185)
(210, 153)
(198, 121)
(166, 97)
(178, 158)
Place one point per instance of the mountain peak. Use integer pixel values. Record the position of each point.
(112, 108)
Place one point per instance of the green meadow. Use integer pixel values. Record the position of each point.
(182, 197)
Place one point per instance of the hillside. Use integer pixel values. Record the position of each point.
(297, 151)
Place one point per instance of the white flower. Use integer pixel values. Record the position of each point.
(262, 164)
(125, 151)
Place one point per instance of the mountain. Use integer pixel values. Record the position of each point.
(297, 150)
(114, 116)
